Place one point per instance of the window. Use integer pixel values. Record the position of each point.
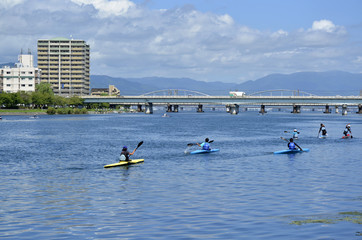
(8, 85)
(30, 85)
(22, 85)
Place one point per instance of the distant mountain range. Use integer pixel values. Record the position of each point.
(11, 64)
(318, 83)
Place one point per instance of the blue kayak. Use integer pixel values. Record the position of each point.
(204, 151)
(288, 151)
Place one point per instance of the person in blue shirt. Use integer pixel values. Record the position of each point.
(205, 145)
(292, 145)
(295, 134)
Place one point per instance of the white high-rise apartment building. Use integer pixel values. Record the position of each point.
(65, 65)
(23, 77)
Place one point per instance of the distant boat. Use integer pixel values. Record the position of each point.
(165, 115)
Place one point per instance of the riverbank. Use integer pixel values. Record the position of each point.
(30, 112)
(6, 112)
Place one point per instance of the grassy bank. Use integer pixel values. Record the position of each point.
(22, 111)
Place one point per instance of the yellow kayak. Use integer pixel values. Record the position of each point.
(123, 163)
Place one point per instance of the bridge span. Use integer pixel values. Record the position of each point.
(231, 103)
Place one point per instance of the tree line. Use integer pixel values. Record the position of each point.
(43, 97)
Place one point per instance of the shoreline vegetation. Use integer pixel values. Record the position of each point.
(43, 101)
(53, 111)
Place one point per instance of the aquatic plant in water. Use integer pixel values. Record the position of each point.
(354, 217)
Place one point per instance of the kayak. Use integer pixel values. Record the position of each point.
(348, 136)
(288, 151)
(204, 151)
(123, 163)
(323, 136)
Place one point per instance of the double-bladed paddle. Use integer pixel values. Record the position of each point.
(192, 144)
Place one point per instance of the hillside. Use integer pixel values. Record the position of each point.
(319, 83)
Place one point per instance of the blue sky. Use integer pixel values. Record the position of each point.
(208, 40)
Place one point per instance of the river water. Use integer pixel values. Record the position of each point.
(54, 186)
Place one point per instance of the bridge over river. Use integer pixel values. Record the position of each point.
(173, 99)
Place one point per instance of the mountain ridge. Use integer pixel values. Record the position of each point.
(318, 83)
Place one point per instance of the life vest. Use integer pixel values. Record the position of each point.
(206, 146)
(291, 145)
(324, 131)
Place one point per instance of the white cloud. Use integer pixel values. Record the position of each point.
(108, 8)
(324, 25)
(129, 40)
(10, 3)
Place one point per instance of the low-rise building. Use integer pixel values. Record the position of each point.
(21, 77)
(110, 91)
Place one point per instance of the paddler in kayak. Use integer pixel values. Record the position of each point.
(347, 130)
(205, 145)
(323, 130)
(292, 145)
(125, 154)
(295, 134)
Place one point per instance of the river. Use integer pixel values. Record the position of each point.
(54, 186)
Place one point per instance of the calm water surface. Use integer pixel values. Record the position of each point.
(54, 186)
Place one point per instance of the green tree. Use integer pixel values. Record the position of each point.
(75, 101)
(44, 88)
(26, 98)
(15, 100)
(60, 101)
(43, 95)
(5, 99)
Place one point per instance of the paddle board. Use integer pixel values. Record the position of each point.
(123, 163)
(204, 151)
(287, 151)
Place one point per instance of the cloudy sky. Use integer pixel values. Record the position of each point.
(208, 40)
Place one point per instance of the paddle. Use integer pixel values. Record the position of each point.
(192, 144)
(139, 145)
(294, 143)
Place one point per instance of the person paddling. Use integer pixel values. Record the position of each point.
(125, 153)
(347, 130)
(295, 134)
(323, 130)
(205, 145)
(291, 145)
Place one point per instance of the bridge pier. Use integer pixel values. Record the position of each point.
(262, 109)
(199, 108)
(336, 109)
(234, 109)
(327, 109)
(139, 108)
(149, 108)
(344, 109)
(169, 108)
(172, 108)
(296, 109)
(359, 109)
